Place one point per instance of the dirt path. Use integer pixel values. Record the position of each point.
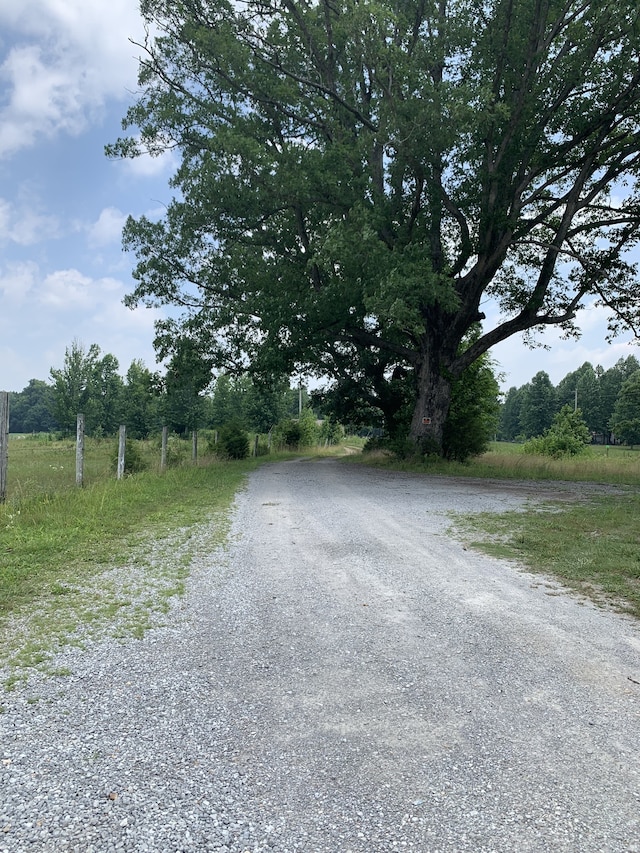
(346, 678)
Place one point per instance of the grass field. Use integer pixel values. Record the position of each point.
(617, 465)
(111, 557)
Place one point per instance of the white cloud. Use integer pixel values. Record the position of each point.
(25, 224)
(66, 57)
(147, 166)
(107, 229)
(67, 289)
(519, 363)
(41, 314)
(16, 283)
(32, 227)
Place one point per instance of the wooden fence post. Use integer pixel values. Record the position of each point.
(255, 445)
(122, 443)
(80, 450)
(4, 443)
(194, 445)
(163, 451)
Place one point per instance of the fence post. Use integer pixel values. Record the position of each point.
(194, 445)
(80, 450)
(122, 443)
(255, 445)
(163, 451)
(4, 443)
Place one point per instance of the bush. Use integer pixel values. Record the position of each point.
(133, 459)
(233, 441)
(262, 448)
(568, 435)
(177, 449)
(331, 432)
(309, 431)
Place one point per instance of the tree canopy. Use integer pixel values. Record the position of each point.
(358, 178)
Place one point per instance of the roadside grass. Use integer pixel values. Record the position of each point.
(110, 557)
(592, 546)
(616, 465)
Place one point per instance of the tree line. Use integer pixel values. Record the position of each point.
(185, 398)
(609, 401)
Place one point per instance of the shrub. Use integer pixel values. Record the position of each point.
(177, 449)
(133, 459)
(309, 431)
(233, 441)
(331, 431)
(287, 434)
(568, 435)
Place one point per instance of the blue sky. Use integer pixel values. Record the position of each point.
(67, 73)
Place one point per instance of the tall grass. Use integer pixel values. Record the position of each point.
(617, 465)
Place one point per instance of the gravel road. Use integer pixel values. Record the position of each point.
(344, 676)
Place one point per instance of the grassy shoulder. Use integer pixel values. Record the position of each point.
(592, 546)
(107, 558)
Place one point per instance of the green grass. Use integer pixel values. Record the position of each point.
(593, 547)
(617, 465)
(110, 557)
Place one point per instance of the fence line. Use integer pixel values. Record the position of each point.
(80, 447)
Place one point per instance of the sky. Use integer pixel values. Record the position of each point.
(68, 72)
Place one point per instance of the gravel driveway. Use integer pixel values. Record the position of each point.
(345, 676)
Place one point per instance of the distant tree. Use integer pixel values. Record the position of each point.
(188, 376)
(227, 404)
(269, 401)
(106, 397)
(625, 421)
(584, 386)
(509, 426)
(611, 382)
(539, 405)
(140, 410)
(73, 387)
(257, 402)
(31, 410)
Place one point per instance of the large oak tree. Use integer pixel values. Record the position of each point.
(358, 176)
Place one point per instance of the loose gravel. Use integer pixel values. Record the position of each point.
(344, 676)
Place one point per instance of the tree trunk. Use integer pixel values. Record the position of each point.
(433, 399)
